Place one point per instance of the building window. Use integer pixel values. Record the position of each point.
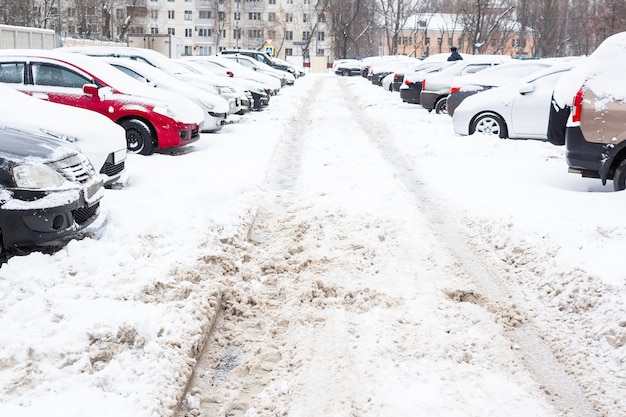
(188, 32)
(439, 41)
(205, 50)
(204, 32)
(188, 14)
(154, 31)
(223, 33)
(305, 2)
(255, 33)
(320, 52)
(170, 14)
(254, 16)
(221, 16)
(237, 34)
(170, 1)
(237, 16)
(171, 31)
(288, 35)
(449, 41)
(305, 18)
(320, 36)
(289, 1)
(427, 41)
(154, 14)
(271, 17)
(119, 13)
(271, 2)
(289, 17)
(204, 14)
(188, 51)
(306, 35)
(288, 52)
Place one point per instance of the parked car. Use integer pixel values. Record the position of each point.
(215, 108)
(170, 67)
(381, 71)
(264, 58)
(48, 189)
(285, 78)
(595, 137)
(436, 86)
(347, 67)
(417, 67)
(100, 139)
(517, 110)
(467, 85)
(412, 85)
(152, 119)
(230, 68)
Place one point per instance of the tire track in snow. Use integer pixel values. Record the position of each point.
(560, 389)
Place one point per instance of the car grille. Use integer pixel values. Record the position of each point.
(84, 214)
(111, 170)
(76, 168)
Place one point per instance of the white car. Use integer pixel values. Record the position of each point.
(517, 110)
(230, 68)
(285, 77)
(215, 108)
(100, 139)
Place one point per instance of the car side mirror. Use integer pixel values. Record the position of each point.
(527, 88)
(91, 90)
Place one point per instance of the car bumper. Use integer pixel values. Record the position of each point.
(428, 99)
(411, 94)
(582, 157)
(114, 166)
(213, 122)
(177, 134)
(31, 223)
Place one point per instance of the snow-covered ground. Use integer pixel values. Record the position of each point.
(420, 273)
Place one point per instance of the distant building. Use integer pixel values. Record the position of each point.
(431, 33)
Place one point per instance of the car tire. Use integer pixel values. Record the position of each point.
(619, 178)
(139, 137)
(490, 124)
(441, 106)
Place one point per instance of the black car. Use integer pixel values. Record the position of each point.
(48, 190)
(261, 57)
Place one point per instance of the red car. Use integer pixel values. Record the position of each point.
(152, 119)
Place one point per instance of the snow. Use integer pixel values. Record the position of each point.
(112, 323)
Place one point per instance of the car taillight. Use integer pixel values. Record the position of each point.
(230, 74)
(577, 105)
(407, 82)
(454, 89)
(395, 77)
(423, 84)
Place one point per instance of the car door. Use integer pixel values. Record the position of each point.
(60, 83)
(530, 107)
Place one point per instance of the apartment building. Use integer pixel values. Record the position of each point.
(205, 27)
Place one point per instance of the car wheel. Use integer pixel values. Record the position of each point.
(139, 138)
(441, 106)
(489, 124)
(619, 178)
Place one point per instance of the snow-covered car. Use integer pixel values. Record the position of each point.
(153, 119)
(232, 69)
(467, 85)
(346, 67)
(215, 107)
(412, 83)
(170, 67)
(595, 137)
(48, 189)
(100, 139)
(517, 110)
(436, 86)
(381, 71)
(265, 59)
(285, 77)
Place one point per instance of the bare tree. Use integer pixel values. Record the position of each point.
(487, 24)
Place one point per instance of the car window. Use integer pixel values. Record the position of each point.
(245, 63)
(12, 72)
(132, 73)
(472, 68)
(55, 76)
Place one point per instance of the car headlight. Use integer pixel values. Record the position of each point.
(165, 111)
(207, 104)
(36, 176)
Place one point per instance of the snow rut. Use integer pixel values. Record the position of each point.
(336, 304)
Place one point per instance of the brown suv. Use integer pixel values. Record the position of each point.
(595, 138)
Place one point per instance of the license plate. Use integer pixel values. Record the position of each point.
(91, 191)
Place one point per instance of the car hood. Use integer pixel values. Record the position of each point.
(19, 146)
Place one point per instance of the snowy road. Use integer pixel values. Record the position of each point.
(358, 293)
